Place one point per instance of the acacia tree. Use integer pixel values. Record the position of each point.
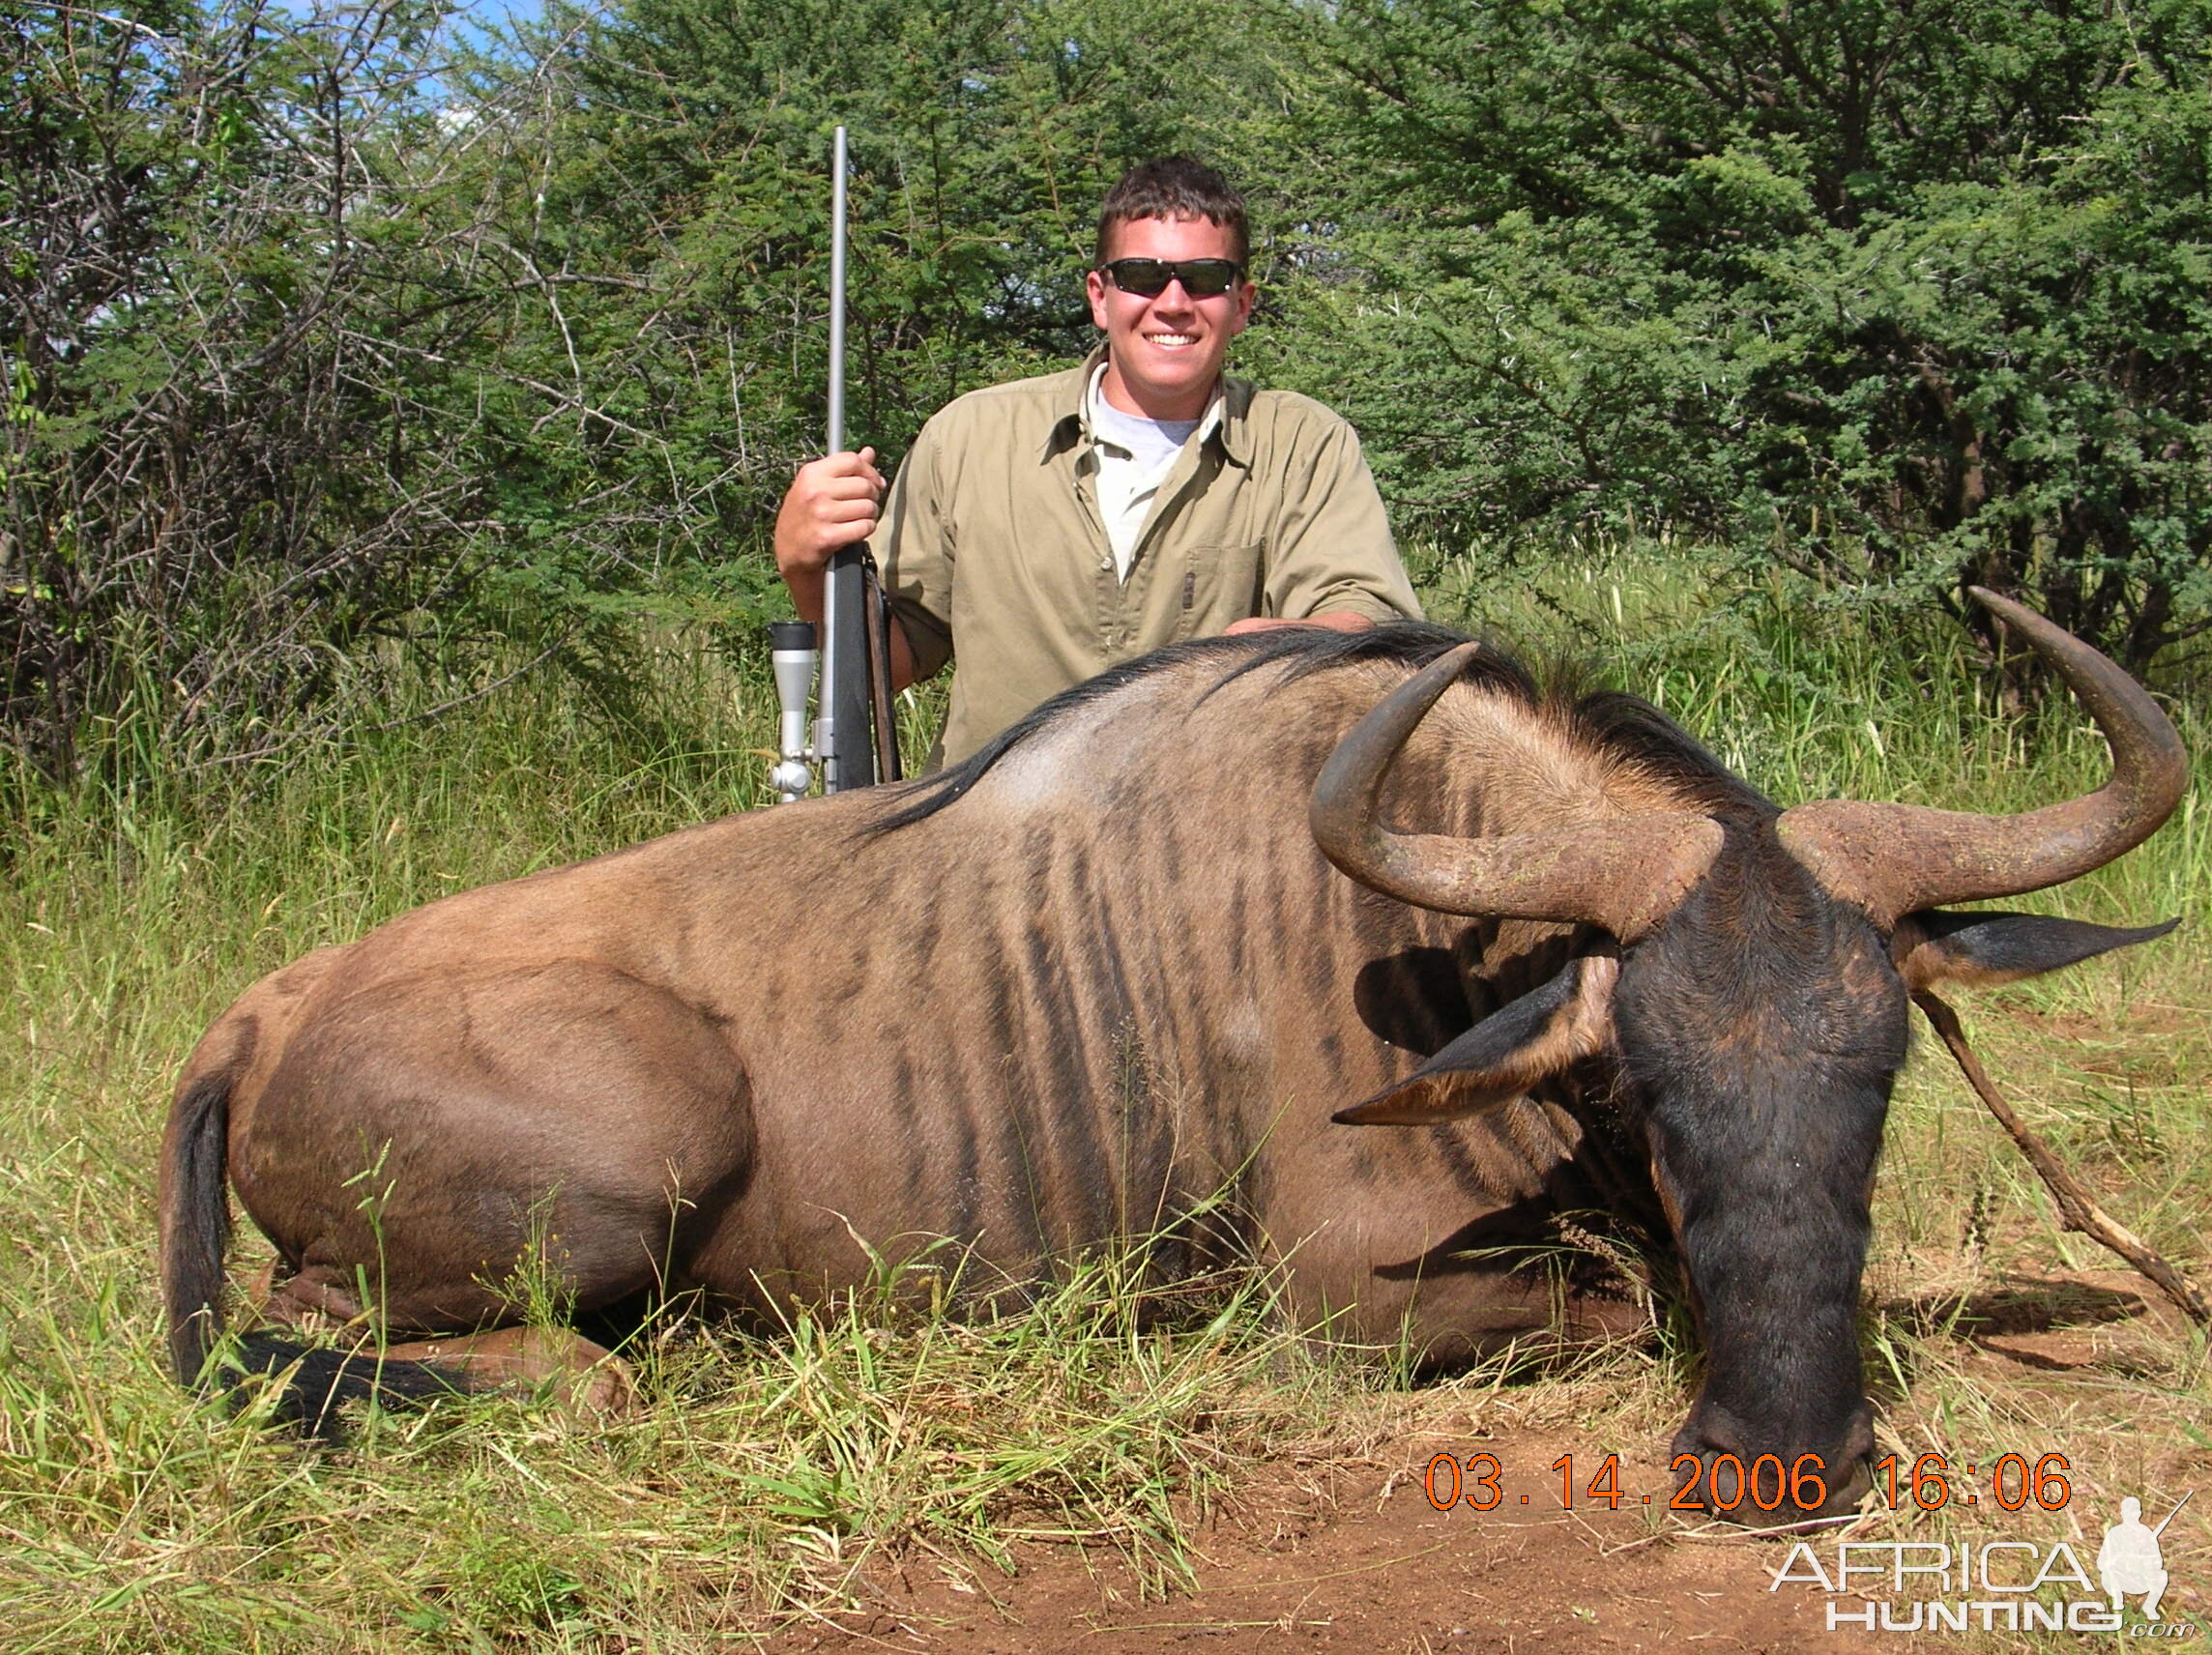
(312, 341)
(670, 219)
(317, 337)
(1902, 295)
(223, 474)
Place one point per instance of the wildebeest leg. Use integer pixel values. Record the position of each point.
(583, 1377)
(1466, 1298)
(1458, 1245)
(449, 1152)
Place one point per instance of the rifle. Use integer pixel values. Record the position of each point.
(855, 728)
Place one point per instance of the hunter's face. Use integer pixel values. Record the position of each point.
(1163, 354)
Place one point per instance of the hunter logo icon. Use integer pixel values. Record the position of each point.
(2130, 1561)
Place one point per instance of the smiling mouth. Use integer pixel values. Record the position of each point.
(1174, 342)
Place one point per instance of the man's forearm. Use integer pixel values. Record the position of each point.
(902, 656)
(806, 587)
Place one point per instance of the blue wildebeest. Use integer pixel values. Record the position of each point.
(1071, 988)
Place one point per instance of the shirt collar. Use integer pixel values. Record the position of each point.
(1224, 420)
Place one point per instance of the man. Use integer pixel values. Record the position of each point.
(1051, 528)
(2129, 1562)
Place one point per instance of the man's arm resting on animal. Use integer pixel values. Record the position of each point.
(832, 504)
(1333, 560)
(1346, 606)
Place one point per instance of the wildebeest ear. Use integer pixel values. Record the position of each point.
(1981, 950)
(1505, 1054)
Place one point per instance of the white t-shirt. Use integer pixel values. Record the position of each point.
(1135, 455)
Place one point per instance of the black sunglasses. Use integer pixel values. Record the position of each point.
(1148, 278)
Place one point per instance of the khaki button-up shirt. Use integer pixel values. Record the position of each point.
(994, 541)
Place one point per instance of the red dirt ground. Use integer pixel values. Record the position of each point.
(1350, 1555)
(1371, 1566)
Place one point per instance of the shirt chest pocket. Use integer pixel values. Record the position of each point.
(1214, 586)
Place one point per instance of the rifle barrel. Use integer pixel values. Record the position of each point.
(2174, 1513)
(841, 736)
(836, 437)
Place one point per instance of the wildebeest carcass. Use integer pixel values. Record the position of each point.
(1071, 989)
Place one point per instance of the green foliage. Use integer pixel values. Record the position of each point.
(330, 352)
(1899, 296)
(222, 478)
(669, 217)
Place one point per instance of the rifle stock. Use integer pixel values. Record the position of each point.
(842, 739)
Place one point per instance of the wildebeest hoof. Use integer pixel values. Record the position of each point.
(259, 1290)
(299, 1301)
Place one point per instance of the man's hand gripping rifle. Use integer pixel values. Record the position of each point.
(856, 733)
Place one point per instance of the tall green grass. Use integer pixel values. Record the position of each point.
(765, 1477)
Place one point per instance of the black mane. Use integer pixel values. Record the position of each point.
(1604, 718)
(1631, 726)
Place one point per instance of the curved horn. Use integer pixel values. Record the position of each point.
(1624, 873)
(1894, 858)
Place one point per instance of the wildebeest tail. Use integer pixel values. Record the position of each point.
(325, 1379)
(195, 1227)
(195, 1222)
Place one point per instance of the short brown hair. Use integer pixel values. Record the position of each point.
(1175, 187)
